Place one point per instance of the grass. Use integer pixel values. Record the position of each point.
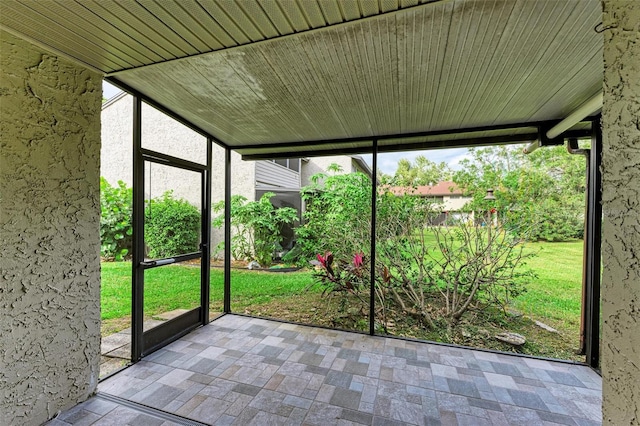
(553, 298)
(556, 292)
(251, 288)
(174, 287)
(166, 289)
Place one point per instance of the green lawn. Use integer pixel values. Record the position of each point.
(553, 297)
(175, 286)
(556, 292)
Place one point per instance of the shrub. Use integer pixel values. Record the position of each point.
(172, 226)
(435, 274)
(337, 217)
(115, 220)
(475, 267)
(256, 227)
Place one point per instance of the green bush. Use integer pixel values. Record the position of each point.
(434, 274)
(256, 227)
(337, 217)
(115, 220)
(172, 226)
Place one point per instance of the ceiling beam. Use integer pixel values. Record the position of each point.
(438, 144)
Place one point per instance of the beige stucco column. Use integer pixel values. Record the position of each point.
(620, 353)
(49, 233)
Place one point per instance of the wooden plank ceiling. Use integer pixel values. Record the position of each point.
(255, 74)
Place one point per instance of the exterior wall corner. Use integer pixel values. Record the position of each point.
(620, 350)
(50, 233)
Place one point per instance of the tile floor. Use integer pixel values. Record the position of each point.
(248, 371)
(115, 349)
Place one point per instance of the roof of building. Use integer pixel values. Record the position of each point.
(115, 98)
(362, 164)
(438, 190)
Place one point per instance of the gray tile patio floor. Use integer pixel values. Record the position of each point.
(248, 371)
(115, 349)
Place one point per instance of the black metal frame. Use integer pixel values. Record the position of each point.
(374, 217)
(205, 232)
(590, 313)
(408, 135)
(592, 232)
(227, 232)
(169, 160)
(342, 145)
(593, 241)
(145, 342)
(137, 275)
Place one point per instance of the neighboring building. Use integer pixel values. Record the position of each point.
(450, 197)
(250, 179)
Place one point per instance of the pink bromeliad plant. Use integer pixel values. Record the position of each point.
(326, 261)
(358, 260)
(341, 276)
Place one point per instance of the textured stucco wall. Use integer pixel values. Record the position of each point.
(620, 358)
(49, 229)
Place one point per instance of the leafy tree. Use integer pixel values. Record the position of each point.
(256, 227)
(422, 172)
(544, 190)
(337, 216)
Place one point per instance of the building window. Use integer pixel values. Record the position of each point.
(289, 163)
